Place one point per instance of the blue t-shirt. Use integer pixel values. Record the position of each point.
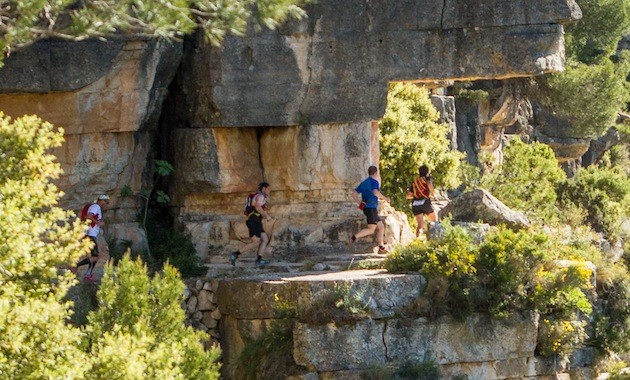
(366, 189)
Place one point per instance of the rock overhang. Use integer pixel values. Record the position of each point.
(334, 65)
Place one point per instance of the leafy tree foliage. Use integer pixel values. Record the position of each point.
(527, 178)
(596, 35)
(25, 21)
(588, 96)
(593, 88)
(138, 331)
(34, 240)
(603, 192)
(410, 136)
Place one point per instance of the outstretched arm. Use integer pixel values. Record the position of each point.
(380, 195)
(356, 196)
(431, 190)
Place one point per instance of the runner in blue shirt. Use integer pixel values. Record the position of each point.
(369, 193)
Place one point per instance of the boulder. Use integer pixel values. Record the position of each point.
(601, 145)
(479, 205)
(129, 233)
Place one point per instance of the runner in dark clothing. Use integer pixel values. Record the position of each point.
(420, 192)
(255, 213)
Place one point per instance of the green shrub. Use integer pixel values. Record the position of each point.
(426, 370)
(612, 319)
(175, 247)
(268, 356)
(507, 265)
(410, 136)
(527, 178)
(603, 192)
(407, 258)
(461, 90)
(560, 337)
(470, 176)
(448, 264)
(138, 331)
(448, 255)
(341, 306)
(559, 291)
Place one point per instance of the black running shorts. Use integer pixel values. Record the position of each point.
(425, 208)
(372, 215)
(255, 227)
(94, 247)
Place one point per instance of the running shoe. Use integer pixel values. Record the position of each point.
(261, 262)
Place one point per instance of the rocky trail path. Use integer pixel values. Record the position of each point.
(313, 259)
(307, 260)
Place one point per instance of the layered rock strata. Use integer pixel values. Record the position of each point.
(303, 101)
(296, 107)
(392, 328)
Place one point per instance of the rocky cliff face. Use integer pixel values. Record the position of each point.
(335, 65)
(392, 328)
(296, 107)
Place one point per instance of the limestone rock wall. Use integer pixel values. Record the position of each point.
(335, 65)
(394, 329)
(311, 170)
(107, 97)
(296, 107)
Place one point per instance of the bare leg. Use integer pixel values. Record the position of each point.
(380, 232)
(264, 239)
(432, 218)
(255, 241)
(369, 230)
(420, 224)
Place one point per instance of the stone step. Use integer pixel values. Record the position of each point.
(311, 260)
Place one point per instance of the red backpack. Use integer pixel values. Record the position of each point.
(249, 207)
(84, 212)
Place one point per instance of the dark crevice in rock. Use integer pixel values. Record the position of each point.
(259, 137)
(384, 341)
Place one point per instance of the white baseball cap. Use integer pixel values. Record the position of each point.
(103, 197)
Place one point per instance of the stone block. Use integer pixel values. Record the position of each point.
(208, 321)
(331, 348)
(191, 305)
(205, 300)
(477, 339)
(383, 294)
